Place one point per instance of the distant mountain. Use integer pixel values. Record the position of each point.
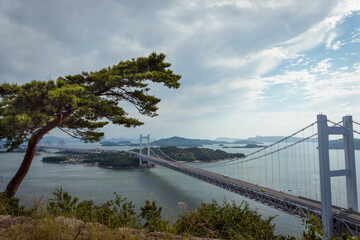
(339, 144)
(263, 139)
(56, 140)
(246, 142)
(119, 143)
(226, 139)
(122, 140)
(184, 142)
(247, 146)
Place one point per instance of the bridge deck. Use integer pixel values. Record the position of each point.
(344, 220)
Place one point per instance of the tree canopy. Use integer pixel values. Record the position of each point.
(81, 104)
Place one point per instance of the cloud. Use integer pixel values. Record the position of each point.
(235, 56)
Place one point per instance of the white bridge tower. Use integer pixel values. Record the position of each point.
(346, 130)
(141, 146)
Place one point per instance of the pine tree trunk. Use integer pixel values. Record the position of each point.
(15, 182)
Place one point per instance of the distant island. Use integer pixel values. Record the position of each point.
(122, 160)
(194, 154)
(119, 160)
(119, 143)
(339, 144)
(246, 146)
(248, 142)
(189, 143)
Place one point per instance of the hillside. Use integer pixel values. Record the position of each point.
(113, 160)
(339, 144)
(196, 154)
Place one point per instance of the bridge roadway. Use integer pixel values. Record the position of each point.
(343, 220)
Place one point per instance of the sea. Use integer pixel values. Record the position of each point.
(171, 190)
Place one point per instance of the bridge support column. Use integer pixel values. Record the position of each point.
(141, 147)
(324, 165)
(140, 156)
(351, 188)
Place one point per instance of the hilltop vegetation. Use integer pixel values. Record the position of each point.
(121, 159)
(195, 154)
(115, 160)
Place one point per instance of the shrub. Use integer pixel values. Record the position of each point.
(227, 221)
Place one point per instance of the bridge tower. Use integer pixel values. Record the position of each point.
(325, 173)
(141, 146)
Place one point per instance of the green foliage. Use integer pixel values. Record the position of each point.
(121, 159)
(314, 228)
(55, 159)
(227, 221)
(152, 214)
(62, 203)
(113, 213)
(10, 206)
(192, 154)
(82, 103)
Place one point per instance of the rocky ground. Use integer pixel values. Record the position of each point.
(68, 228)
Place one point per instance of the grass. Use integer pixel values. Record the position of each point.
(64, 217)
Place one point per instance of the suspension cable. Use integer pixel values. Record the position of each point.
(171, 159)
(231, 162)
(282, 139)
(356, 122)
(338, 124)
(154, 153)
(275, 151)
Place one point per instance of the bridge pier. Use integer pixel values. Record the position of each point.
(325, 173)
(141, 147)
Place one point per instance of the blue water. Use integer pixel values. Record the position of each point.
(169, 188)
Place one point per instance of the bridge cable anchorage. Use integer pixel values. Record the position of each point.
(338, 124)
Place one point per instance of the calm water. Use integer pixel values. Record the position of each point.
(168, 188)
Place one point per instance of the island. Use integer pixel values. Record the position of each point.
(246, 146)
(119, 143)
(193, 154)
(116, 160)
(339, 144)
(122, 160)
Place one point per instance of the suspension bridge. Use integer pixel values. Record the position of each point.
(299, 174)
(295, 174)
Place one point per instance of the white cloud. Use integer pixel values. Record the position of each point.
(226, 51)
(322, 67)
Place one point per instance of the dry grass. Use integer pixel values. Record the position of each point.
(12, 228)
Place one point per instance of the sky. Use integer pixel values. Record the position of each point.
(249, 68)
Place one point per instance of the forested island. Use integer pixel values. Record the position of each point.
(119, 160)
(194, 154)
(116, 160)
